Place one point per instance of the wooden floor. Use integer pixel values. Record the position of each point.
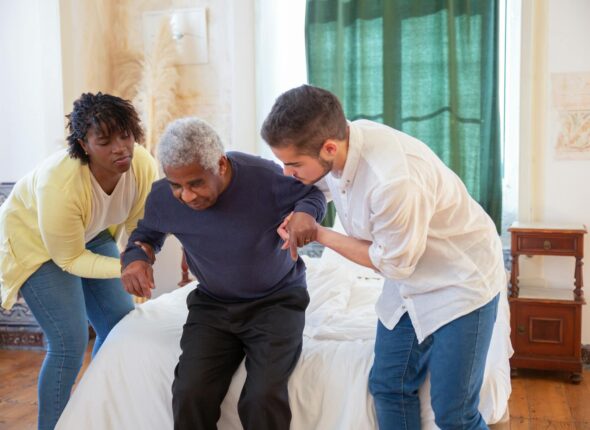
(546, 400)
(18, 387)
(540, 400)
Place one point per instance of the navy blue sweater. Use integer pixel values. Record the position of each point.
(232, 247)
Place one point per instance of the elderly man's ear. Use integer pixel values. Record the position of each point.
(223, 165)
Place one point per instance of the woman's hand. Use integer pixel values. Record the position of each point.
(138, 279)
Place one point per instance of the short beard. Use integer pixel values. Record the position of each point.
(326, 165)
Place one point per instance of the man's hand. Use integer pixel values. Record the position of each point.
(301, 229)
(138, 279)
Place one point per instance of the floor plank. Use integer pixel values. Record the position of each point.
(578, 397)
(547, 400)
(519, 423)
(519, 405)
(551, 425)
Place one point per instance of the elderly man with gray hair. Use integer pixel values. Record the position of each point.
(225, 209)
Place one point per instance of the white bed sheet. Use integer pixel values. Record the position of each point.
(127, 385)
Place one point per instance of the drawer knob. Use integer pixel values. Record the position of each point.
(520, 329)
(547, 244)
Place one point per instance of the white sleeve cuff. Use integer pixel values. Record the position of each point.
(385, 267)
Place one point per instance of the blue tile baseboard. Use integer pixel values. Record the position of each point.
(5, 188)
(19, 329)
(21, 338)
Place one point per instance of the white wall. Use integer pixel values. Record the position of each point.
(280, 56)
(240, 30)
(552, 190)
(31, 109)
(566, 196)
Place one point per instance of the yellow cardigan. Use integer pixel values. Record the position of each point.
(46, 215)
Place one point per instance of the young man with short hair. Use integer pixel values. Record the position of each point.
(410, 218)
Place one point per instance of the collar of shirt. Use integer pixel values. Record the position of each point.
(353, 157)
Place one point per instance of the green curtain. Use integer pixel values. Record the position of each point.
(426, 67)
(330, 217)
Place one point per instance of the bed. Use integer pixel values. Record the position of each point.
(127, 385)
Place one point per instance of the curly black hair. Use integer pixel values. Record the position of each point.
(104, 111)
(304, 117)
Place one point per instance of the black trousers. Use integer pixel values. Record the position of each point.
(215, 339)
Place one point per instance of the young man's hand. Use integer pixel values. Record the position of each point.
(138, 278)
(297, 229)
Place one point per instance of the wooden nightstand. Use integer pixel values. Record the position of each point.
(547, 322)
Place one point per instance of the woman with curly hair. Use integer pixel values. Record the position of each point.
(57, 231)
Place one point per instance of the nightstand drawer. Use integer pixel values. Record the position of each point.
(545, 329)
(547, 244)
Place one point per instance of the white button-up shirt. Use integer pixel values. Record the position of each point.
(436, 247)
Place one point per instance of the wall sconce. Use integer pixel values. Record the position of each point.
(189, 31)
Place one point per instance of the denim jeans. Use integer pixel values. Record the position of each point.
(455, 356)
(63, 304)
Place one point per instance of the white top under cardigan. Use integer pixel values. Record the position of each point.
(110, 209)
(435, 245)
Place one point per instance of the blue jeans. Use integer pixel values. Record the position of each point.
(63, 304)
(455, 355)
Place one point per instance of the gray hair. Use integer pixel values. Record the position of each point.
(190, 140)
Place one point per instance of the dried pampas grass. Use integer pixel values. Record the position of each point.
(126, 62)
(156, 97)
(127, 68)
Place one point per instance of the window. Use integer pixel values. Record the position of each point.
(509, 76)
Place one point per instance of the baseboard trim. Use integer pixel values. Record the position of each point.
(21, 338)
(586, 355)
